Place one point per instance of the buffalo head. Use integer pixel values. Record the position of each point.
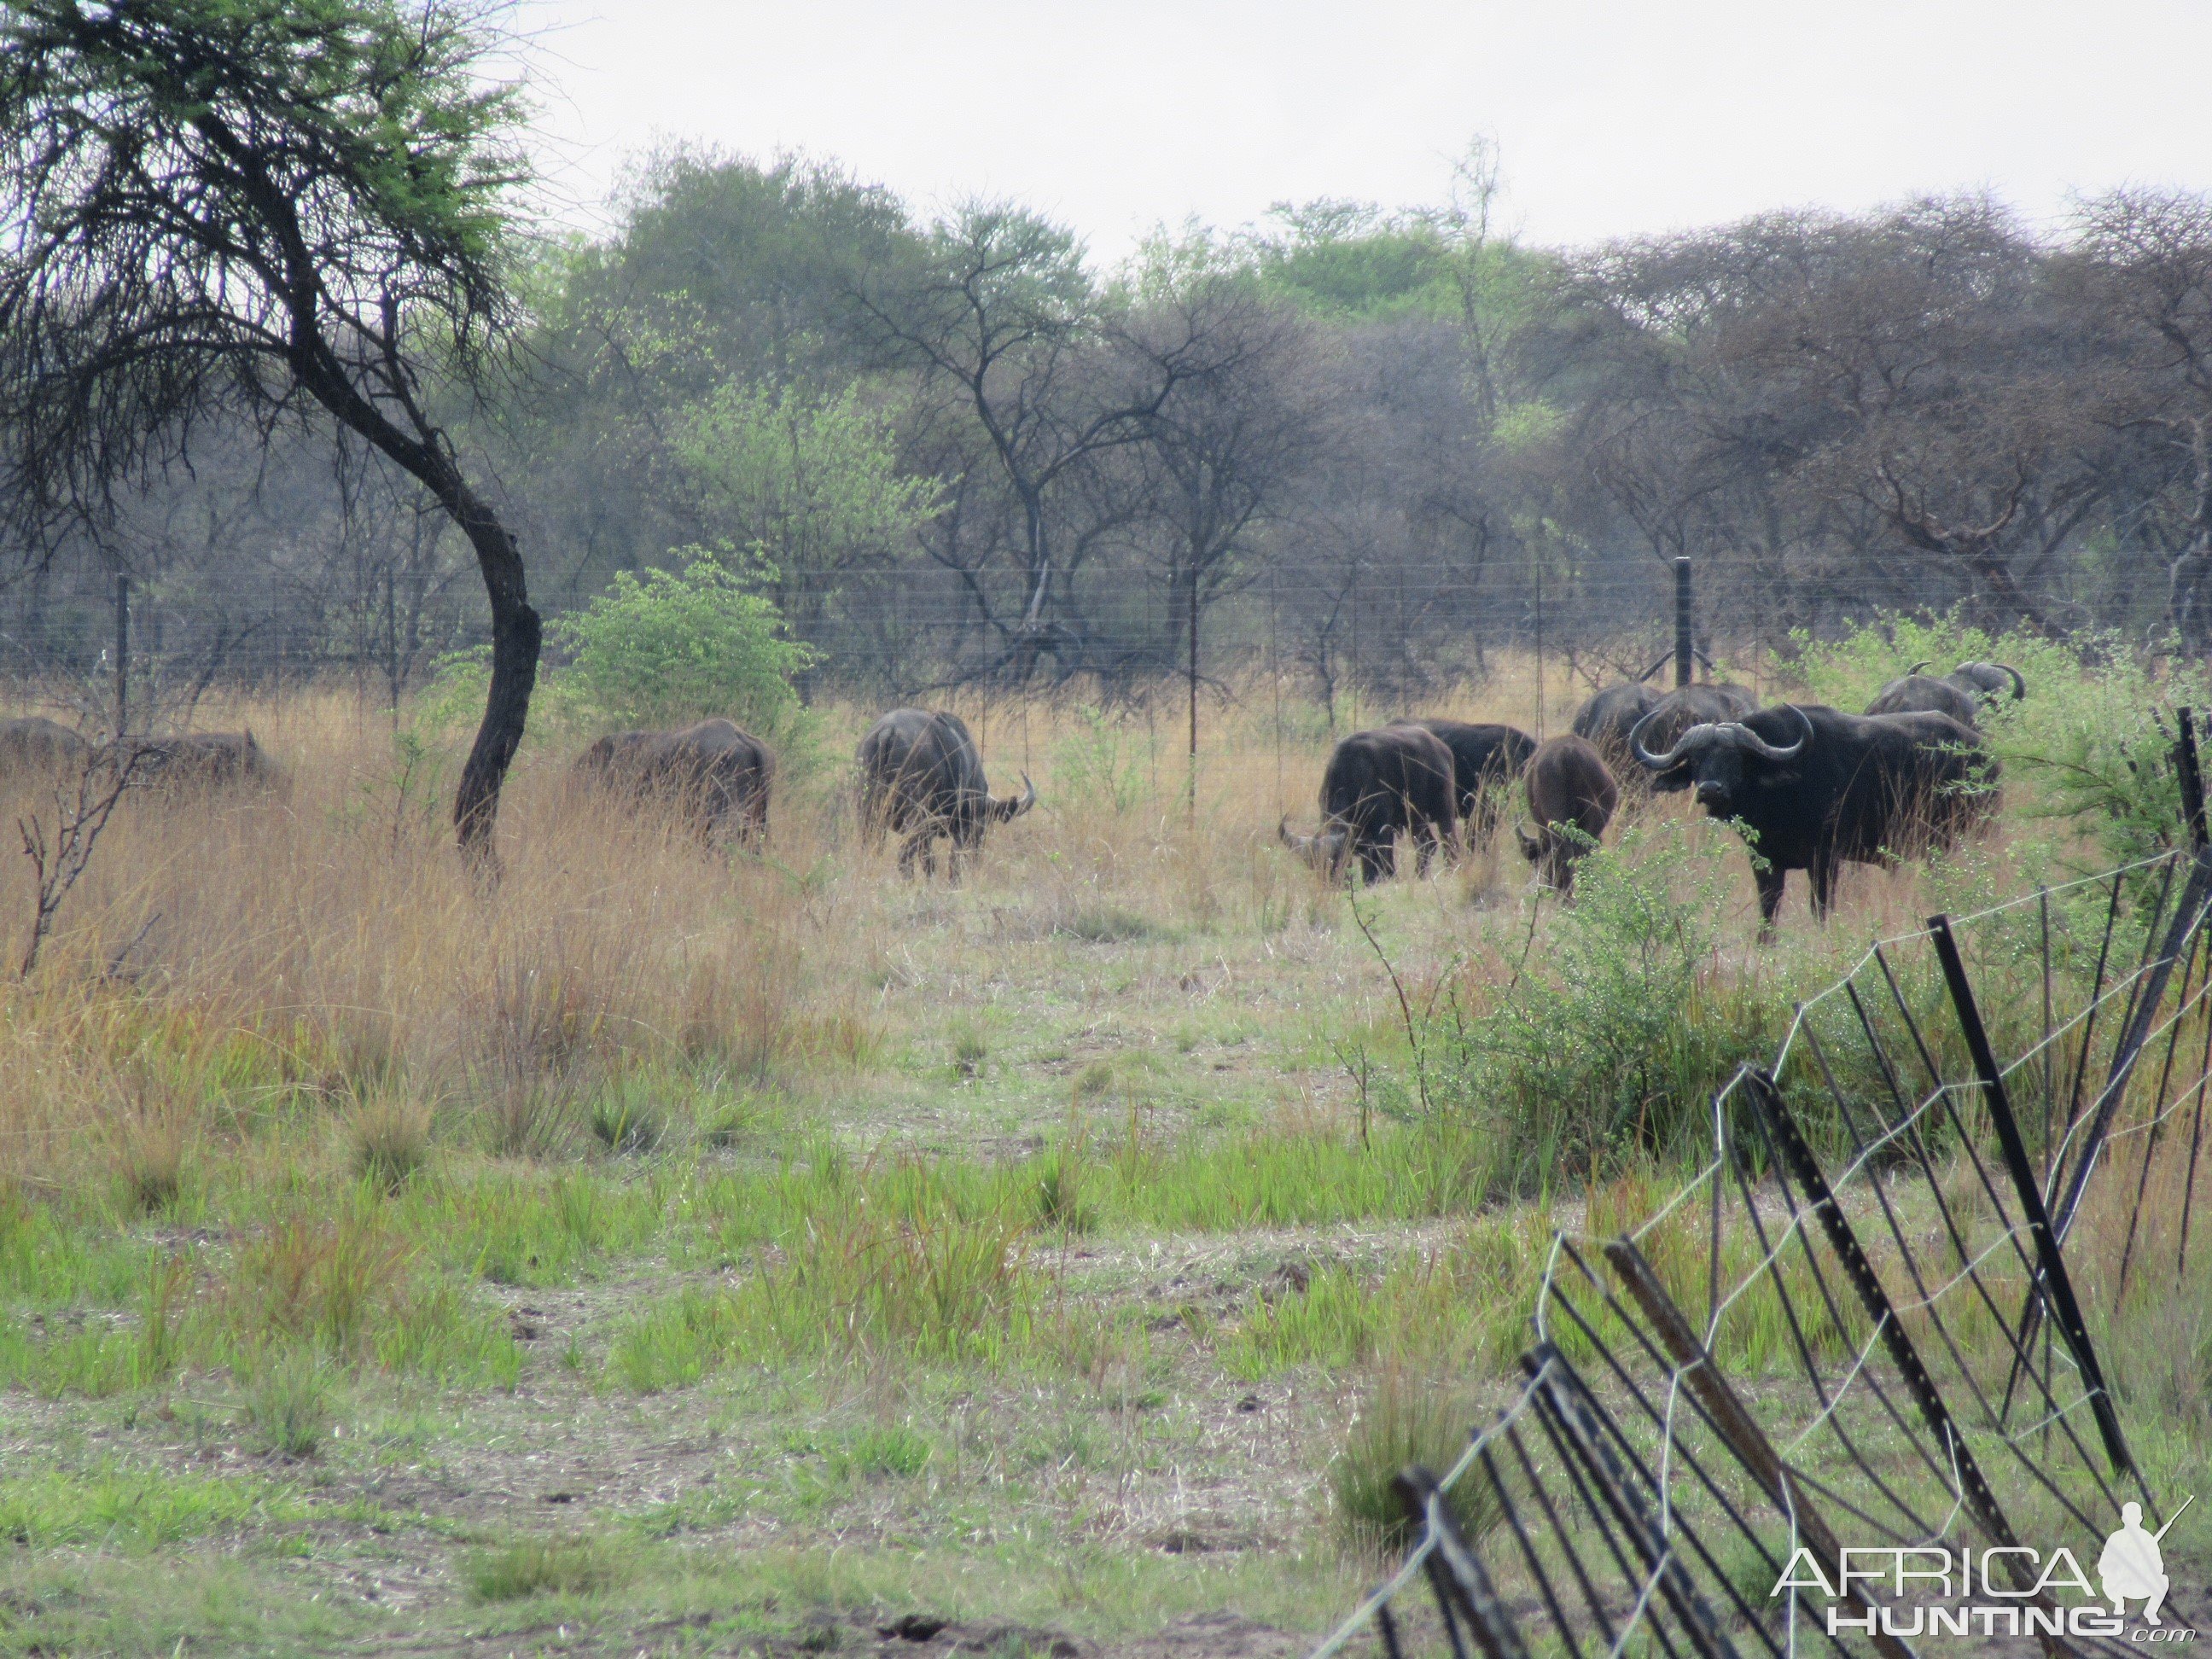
(1989, 679)
(1013, 807)
(1324, 852)
(1717, 754)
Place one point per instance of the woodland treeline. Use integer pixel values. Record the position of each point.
(1377, 446)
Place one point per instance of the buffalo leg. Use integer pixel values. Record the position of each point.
(1378, 858)
(913, 848)
(1769, 879)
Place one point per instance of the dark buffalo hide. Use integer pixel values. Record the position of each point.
(1378, 785)
(715, 774)
(1817, 787)
(922, 777)
(1569, 788)
(1485, 759)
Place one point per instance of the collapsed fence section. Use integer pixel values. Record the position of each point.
(1879, 1320)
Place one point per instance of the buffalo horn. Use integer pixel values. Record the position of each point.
(1916, 668)
(1766, 750)
(2019, 683)
(1702, 733)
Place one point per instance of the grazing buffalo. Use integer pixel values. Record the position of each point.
(37, 747)
(1569, 788)
(1819, 788)
(922, 776)
(1959, 694)
(1607, 718)
(1990, 680)
(1923, 694)
(1377, 784)
(1485, 759)
(1678, 710)
(203, 760)
(716, 775)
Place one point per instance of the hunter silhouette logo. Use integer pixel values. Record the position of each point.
(1932, 1590)
(2131, 1566)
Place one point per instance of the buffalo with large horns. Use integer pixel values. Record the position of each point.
(1961, 694)
(1818, 787)
(923, 777)
(717, 776)
(1923, 694)
(1378, 785)
(1677, 712)
(1571, 795)
(1485, 759)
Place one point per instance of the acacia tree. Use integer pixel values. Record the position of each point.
(270, 209)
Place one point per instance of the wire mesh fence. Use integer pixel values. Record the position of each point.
(1853, 1382)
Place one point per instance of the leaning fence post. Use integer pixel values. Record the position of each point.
(1737, 1426)
(2050, 1265)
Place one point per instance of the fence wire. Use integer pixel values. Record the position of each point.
(1877, 1321)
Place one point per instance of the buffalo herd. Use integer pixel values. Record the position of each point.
(1810, 788)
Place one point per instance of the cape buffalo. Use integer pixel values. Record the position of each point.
(922, 776)
(1378, 783)
(203, 760)
(1485, 759)
(36, 746)
(715, 774)
(1818, 787)
(1990, 680)
(1678, 710)
(1569, 788)
(1609, 717)
(1921, 693)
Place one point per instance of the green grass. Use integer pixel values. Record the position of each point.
(546, 1566)
(135, 1510)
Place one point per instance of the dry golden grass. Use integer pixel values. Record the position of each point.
(327, 941)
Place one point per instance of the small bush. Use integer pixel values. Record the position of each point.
(1406, 1419)
(149, 1161)
(624, 1121)
(534, 1567)
(970, 1049)
(1614, 1042)
(1062, 1204)
(288, 1402)
(390, 1140)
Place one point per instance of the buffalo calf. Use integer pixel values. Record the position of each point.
(1569, 790)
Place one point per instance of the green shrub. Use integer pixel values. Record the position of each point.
(661, 647)
(288, 1400)
(1407, 1417)
(1615, 1040)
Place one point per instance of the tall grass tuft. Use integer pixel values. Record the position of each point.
(391, 1136)
(1407, 1417)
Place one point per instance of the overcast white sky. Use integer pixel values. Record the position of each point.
(1612, 120)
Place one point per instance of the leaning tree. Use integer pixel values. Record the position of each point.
(268, 211)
